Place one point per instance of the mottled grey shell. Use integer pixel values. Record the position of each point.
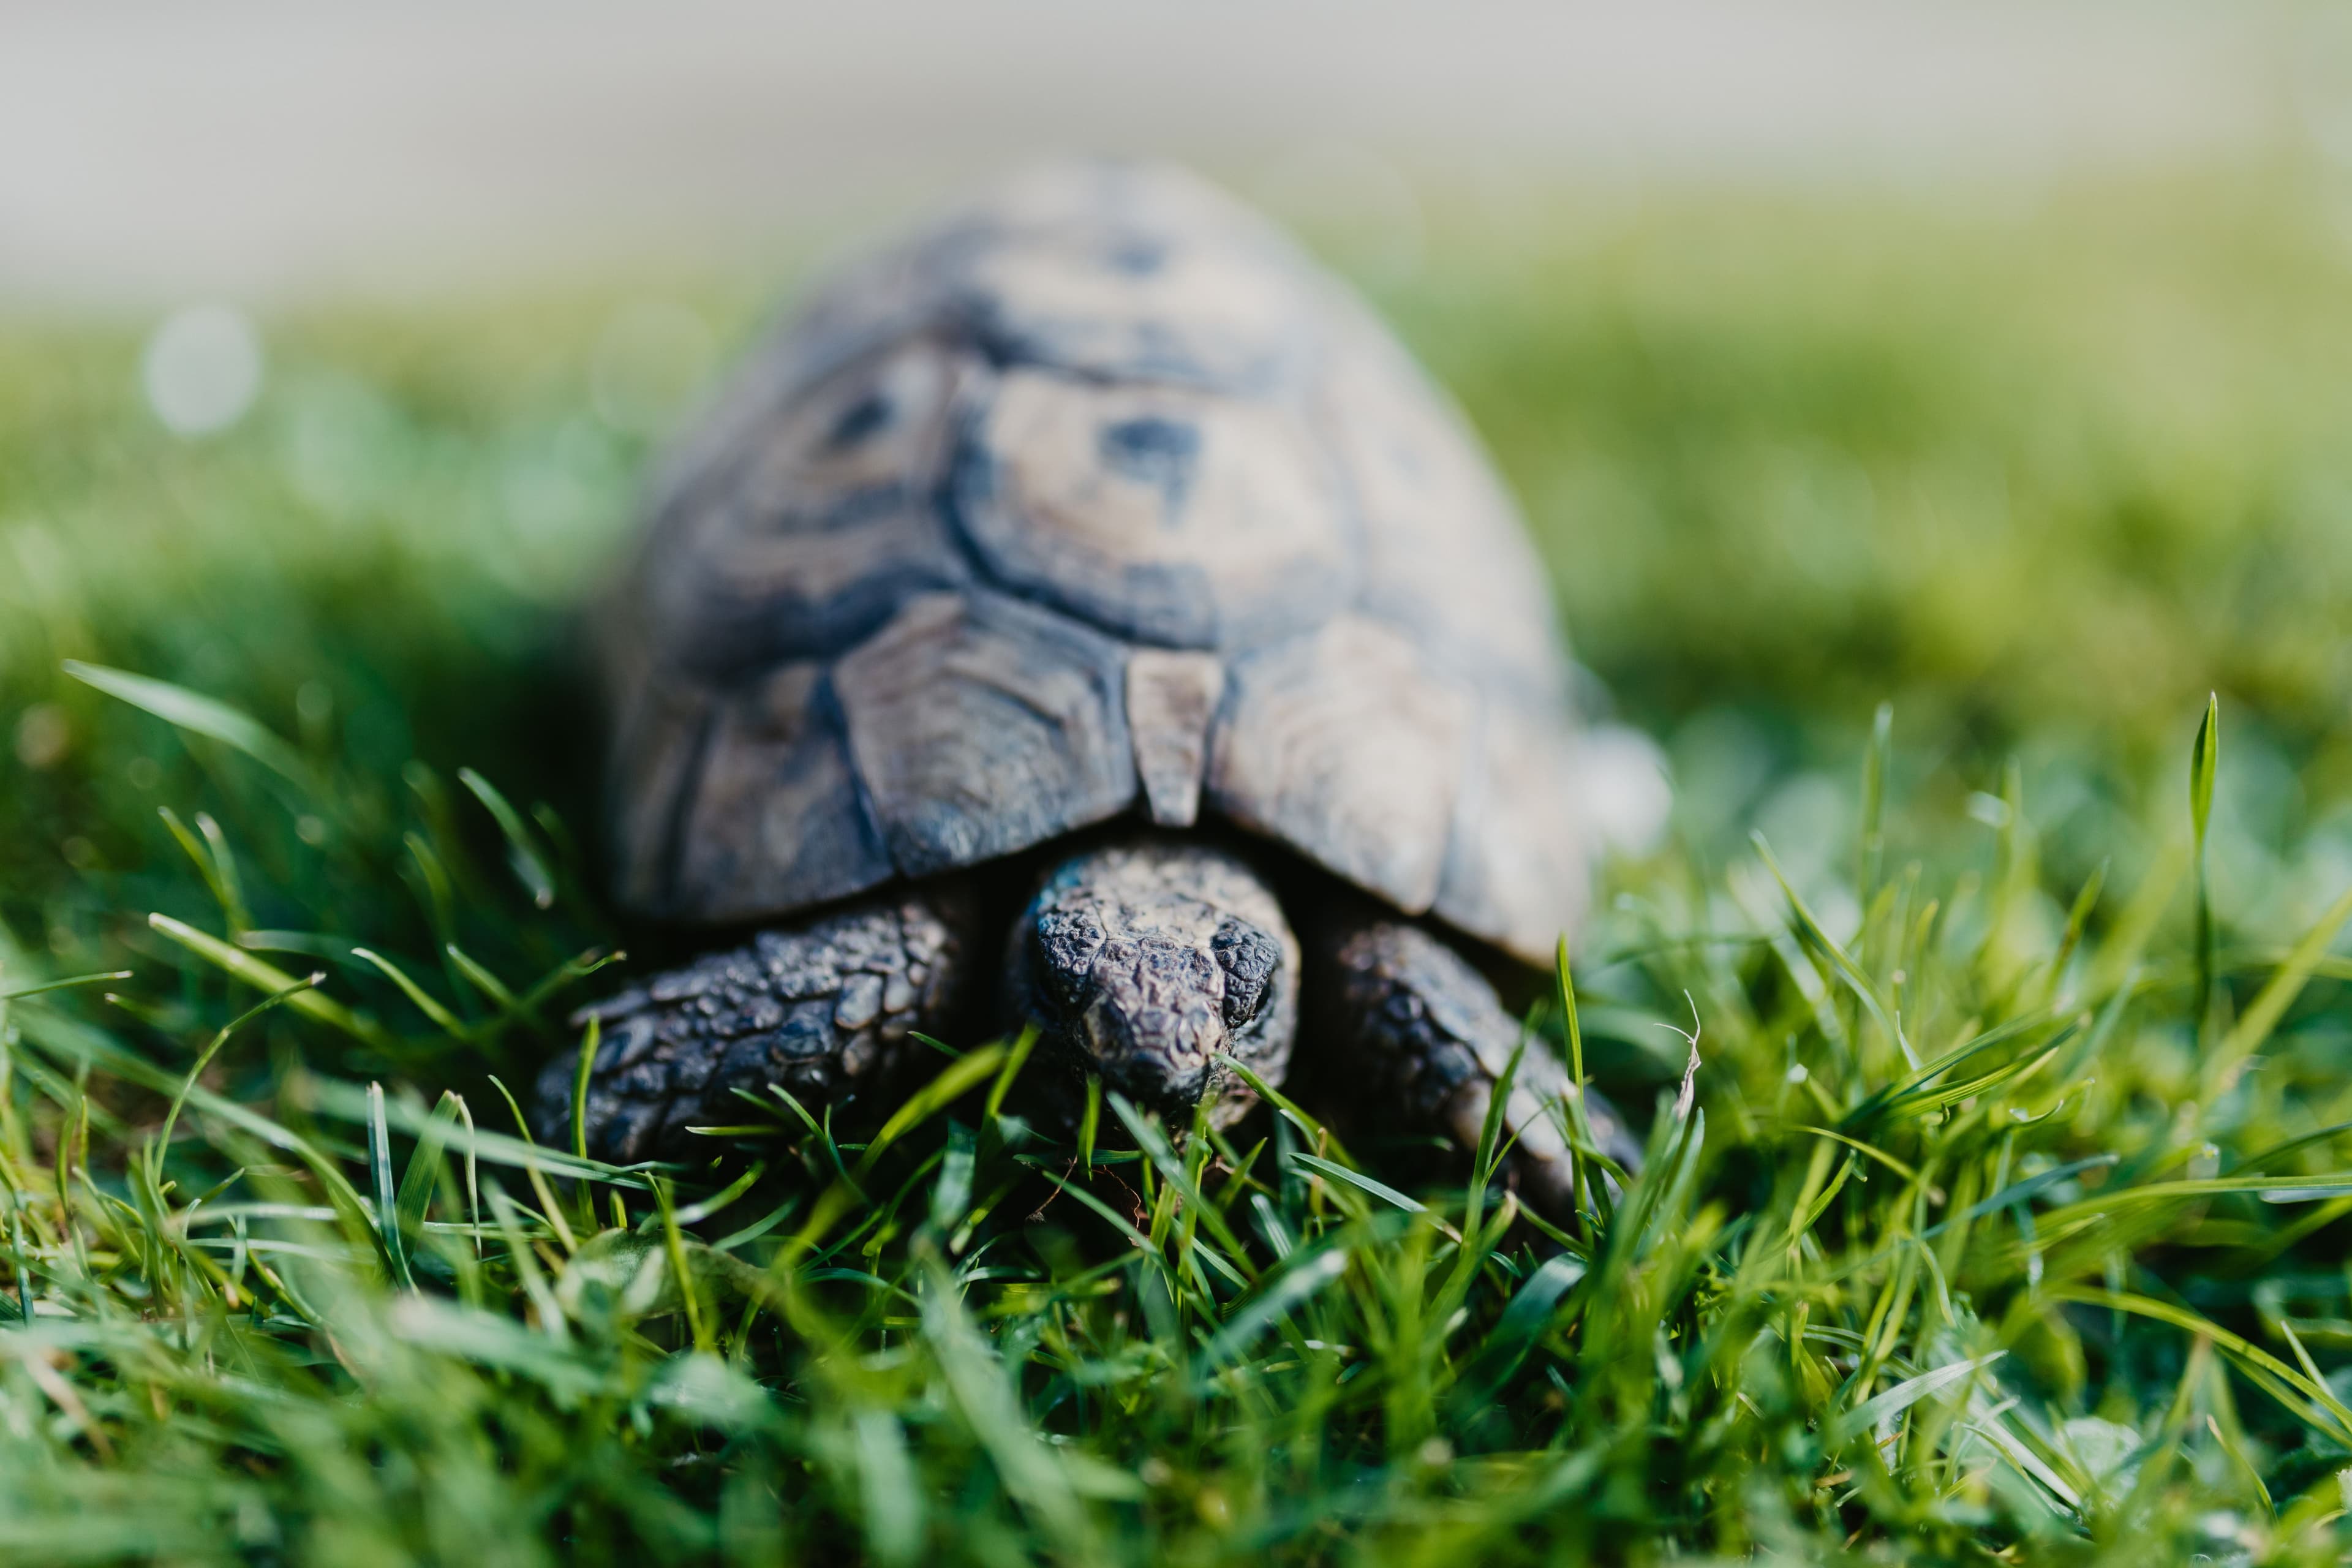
(1096, 498)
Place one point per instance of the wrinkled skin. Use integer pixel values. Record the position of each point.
(1419, 1040)
(1156, 964)
(821, 1010)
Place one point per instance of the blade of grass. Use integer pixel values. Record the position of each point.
(524, 855)
(2204, 759)
(415, 1196)
(963, 1075)
(269, 978)
(200, 715)
(387, 1205)
(445, 1021)
(2254, 1025)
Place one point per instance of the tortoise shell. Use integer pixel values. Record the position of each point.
(1096, 497)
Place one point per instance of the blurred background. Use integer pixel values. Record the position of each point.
(272, 150)
(1988, 360)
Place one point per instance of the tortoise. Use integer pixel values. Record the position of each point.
(1091, 584)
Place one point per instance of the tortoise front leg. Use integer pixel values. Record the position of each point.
(820, 1007)
(1413, 1038)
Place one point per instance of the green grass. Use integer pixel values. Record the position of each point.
(2009, 1219)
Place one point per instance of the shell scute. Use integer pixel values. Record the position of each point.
(774, 761)
(1350, 746)
(1162, 514)
(805, 536)
(981, 725)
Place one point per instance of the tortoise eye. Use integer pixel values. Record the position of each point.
(1067, 943)
(1249, 957)
(866, 416)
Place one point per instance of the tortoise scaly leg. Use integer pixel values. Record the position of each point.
(820, 1007)
(1415, 1039)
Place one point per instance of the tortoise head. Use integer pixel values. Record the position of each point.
(1155, 964)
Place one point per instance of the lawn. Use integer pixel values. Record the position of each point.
(2008, 1221)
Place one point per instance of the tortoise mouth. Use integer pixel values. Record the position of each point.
(1156, 1051)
